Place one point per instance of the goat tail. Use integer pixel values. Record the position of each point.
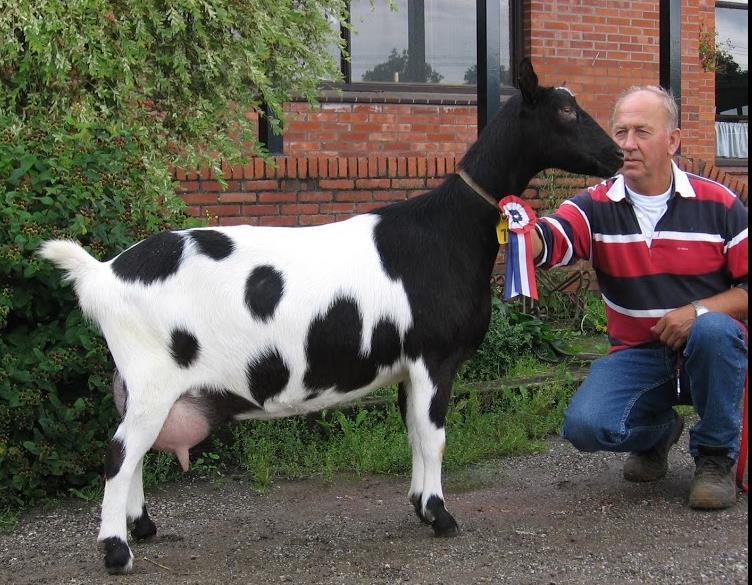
(91, 278)
(70, 257)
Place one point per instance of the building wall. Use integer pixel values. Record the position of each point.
(599, 48)
(386, 129)
(300, 191)
(358, 151)
(698, 85)
(596, 48)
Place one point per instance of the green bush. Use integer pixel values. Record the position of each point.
(97, 97)
(186, 73)
(511, 334)
(594, 317)
(105, 191)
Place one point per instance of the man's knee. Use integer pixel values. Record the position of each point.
(586, 430)
(713, 330)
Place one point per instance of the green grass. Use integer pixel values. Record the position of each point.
(362, 440)
(685, 410)
(372, 439)
(8, 520)
(483, 422)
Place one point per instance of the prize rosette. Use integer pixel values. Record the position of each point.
(520, 271)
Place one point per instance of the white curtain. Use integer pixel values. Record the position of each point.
(731, 139)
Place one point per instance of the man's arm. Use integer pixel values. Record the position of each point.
(673, 328)
(537, 243)
(562, 238)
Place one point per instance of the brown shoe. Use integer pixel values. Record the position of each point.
(652, 465)
(713, 486)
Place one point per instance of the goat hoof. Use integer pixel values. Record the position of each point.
(443, 523)
(445, 526)
(415, 501)
(143, 527)
(118, 559)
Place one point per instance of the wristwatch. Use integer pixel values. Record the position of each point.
(700, 309)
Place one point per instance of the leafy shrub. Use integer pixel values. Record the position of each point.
(566, 298)
(105, 191)
(594, 317)
(511, 334)
(186, 73)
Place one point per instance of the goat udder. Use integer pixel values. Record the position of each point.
(185, 427)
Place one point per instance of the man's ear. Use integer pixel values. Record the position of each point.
(527, 81)
(674, 141)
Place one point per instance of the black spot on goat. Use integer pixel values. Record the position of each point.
(113, 459)
(263, 291)
(184, 347)
(152, 260)
(267, 375)
(212, 243)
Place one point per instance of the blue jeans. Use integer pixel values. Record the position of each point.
(626, 401)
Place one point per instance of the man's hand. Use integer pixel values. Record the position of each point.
(673, 328)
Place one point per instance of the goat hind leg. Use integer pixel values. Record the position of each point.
(133, 438)
(142, 525)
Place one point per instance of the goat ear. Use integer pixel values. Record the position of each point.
(527, 81)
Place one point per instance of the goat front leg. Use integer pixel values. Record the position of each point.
(426, 402)
(416, 482)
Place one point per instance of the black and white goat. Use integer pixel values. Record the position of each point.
(212, 324)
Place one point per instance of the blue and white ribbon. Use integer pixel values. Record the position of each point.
(520, 272)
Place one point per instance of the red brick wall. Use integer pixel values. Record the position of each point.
(698, 85)
(600, 48)
(304, 191)
(346, 158)
(356, 129)
(597, 47)
(299, 191)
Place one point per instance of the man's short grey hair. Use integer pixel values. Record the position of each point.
(668, 101)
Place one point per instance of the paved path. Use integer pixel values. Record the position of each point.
(558, 517)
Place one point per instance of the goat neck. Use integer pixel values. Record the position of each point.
(499, 161)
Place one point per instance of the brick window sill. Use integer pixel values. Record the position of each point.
(731, 162)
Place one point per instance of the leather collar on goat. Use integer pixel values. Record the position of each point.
(479, 190)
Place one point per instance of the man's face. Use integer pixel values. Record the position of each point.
(640, 128)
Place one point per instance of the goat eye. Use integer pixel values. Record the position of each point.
(568, 113)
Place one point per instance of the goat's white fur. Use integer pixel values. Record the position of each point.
(207, 297)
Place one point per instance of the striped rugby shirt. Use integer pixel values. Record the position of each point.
(699, 249)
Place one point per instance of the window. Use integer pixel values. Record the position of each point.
(430, 44)
(731, 79)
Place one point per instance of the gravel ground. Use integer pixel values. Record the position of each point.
(558, 517)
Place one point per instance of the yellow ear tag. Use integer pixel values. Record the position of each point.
(502, 230)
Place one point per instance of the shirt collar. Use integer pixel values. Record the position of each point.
(682, 186)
